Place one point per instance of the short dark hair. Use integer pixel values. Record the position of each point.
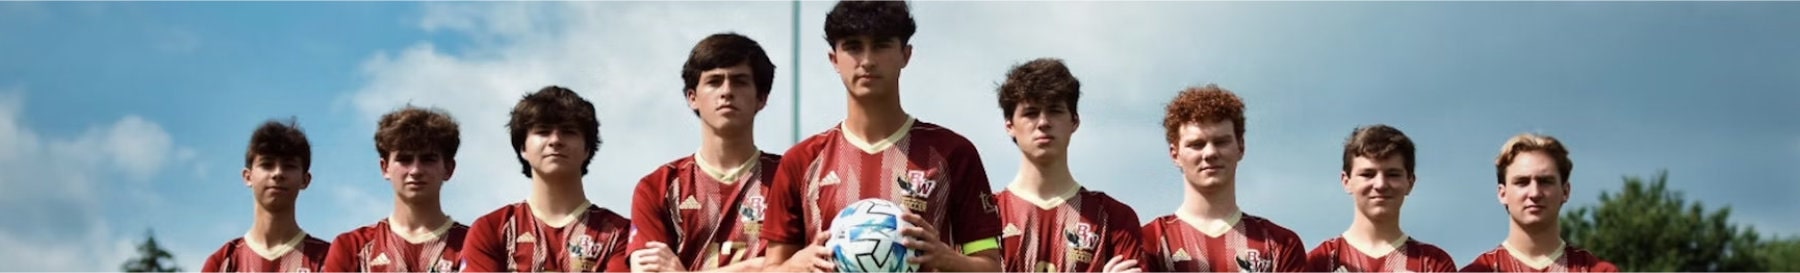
(726, 50)
(879, 19)
(1376, 142)
(417, 129)
(1042, 81)
(554, 106)
(277, 139)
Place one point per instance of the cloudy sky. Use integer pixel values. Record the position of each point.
(116, 118)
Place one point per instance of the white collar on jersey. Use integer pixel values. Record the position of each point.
(1539, 263)
(727, 176)
(272, 252)
(1372, 251)
(559, 223)
(419, 238)
(877, 146)
(1040, 201)
(1212, 228)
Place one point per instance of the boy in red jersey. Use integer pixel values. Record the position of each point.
(1533, 172)
(880, 151)
(275, 170)
(1205, 130)
(1378, 175)
(705, 211)
(418, 154)
(555, 134)
(1053, 224)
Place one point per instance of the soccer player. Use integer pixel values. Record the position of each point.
(1205, 130)
(1378, 175)
(555, 134)
(1053, 224)
(275, 170)
(418, 154)
(705, 211)
(1533, 173)
(880, 151)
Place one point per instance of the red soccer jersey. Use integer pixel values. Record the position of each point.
(512, 239)
(932, 171)
(304, 253)
(1338, 255)
(1253, 244)
(711, 218)
(379, 248)
(1569, 259)
(1078, 232)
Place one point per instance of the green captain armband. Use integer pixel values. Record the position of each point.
(980, 245)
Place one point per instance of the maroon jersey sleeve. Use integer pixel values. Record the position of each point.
(975, 217)
(1154, 257)
(342, 257)
(216, 261)
(1605, 266)
(1322, 257)
(483, 250)
(315, 250)
(1127, 235)
(649, 217)
(1292, 251)
(1483, 263)
(1437, 260)
(782, 223)
(616, 261)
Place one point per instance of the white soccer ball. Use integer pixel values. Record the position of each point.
(865, 237)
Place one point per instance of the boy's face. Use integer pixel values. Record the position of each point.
(417, 175)
(275, 182)
(1042, 131)
(555, 150)
(1207, 153)
(1534, 191)
(1378, 187)
(726, 98)
(868, 65)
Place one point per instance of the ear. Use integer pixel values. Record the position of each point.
(692, 104)
(906, 53)
(1501, 188)
(760, 103)
(1412, 180)
(1173, 157)
(1344, 177)
(1566, 192)
(383, 167)
(831, 55)
(306, 180)
(449, 169)
(246, 176)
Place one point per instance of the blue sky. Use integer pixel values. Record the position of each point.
(120, 117)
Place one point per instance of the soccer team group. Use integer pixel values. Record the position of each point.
(732, 207)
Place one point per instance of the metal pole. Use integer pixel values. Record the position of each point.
(796, 65)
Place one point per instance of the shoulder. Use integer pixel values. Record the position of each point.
(1426, 249)
(813, 144)
(494, 218)
(359, 234)
(228, 246)
(602, 217)
(315, 248)
(1271, 231)
(1587, 258)
(940, 137)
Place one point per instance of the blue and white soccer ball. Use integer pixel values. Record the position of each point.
(865, 237)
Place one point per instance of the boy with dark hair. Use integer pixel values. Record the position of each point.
(880, 151)
(418, 154)
(705, 211)
(555, 135)
(1053, 224)
(275, 170)
(1378, 175)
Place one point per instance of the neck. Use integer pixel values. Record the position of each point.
(1210, 205)
(1368, 232)
(418, 216)
(1535, 242)
(273, 227)
(727, 150)
(556, 196)
(1045, 179)
(875, 117)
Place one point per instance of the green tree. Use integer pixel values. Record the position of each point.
(151, 258)
(1648, 227)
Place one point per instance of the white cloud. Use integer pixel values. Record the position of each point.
(54, 190)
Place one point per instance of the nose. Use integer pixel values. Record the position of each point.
(1383, 182)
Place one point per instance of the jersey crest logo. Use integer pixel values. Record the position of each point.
(916, 188)
(752, 210)
(1081, 241)
(1253, 261)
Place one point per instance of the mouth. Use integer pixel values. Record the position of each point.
(1211, 169)
(1043, 139)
